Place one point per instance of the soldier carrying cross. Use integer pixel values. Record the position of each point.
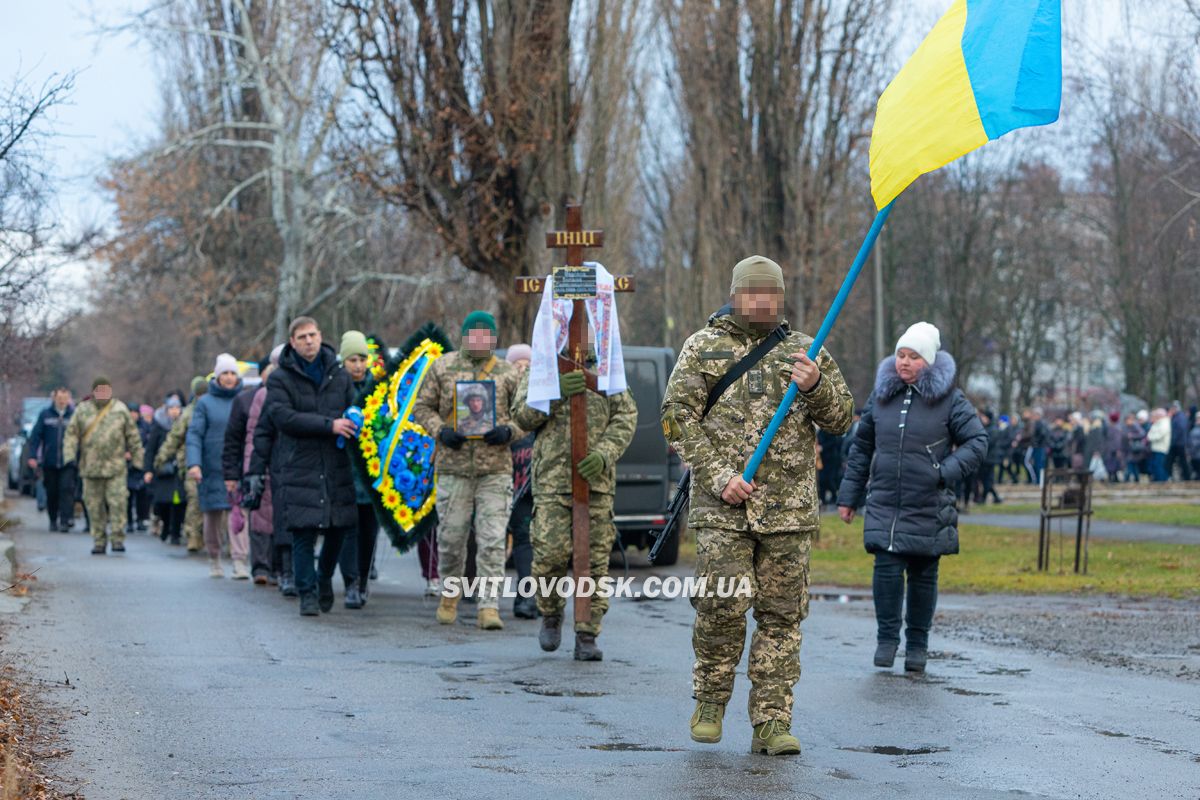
(574, 396)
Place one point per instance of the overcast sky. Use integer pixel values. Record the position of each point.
(115, 99)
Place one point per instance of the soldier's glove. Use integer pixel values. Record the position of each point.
(501, 434)
(253, 487)
(572, 383)
(592, 467)
(451, 438)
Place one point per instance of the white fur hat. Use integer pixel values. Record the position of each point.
(225, 363)
(923, 339)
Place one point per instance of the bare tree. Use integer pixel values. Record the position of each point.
(469, 114)
(1145, 182)
(774, 100)
(26, 221)
(28, 251)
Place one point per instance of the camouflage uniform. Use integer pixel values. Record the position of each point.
(611, 422)
(767, 538)
(173, 447)
(102, 463)
(474, 483)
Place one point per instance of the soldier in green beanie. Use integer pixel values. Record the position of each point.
(474, 476)
(758, 533)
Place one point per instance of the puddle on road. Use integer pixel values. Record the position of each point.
(631, 747)
(1022, 672)
(970, 692)
(534, 687)
(890, 750)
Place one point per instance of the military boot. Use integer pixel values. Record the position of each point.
(774, 738)
(585, 648)
(447, 610)
(706, 722)
(550, 636)
(488, 619)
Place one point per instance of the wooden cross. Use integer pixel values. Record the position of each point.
(576, 282)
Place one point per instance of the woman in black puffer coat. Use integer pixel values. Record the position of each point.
(918, 437)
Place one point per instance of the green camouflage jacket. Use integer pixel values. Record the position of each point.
(718, 446)
(434, 408)
(611, 422)
(174, 445)
(103, 454)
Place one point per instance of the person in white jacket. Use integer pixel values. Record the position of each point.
(1159, 437)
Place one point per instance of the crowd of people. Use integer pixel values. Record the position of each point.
(1159, 445)
(263, 472)
(259, 474)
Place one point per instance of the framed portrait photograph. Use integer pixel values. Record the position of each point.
(474, 408)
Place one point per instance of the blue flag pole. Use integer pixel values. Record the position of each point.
(831, 316)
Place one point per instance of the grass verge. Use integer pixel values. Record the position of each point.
(1005, 560)
(27, 743)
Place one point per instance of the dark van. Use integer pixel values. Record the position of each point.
(649, 470)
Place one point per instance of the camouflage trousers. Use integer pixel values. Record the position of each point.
(550, 534)
(106, 500)
(484, 500)
(777, 566)
(193, 517)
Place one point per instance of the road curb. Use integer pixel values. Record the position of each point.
(8, 552)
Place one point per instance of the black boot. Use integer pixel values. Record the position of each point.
(309, 605)
(525, 608)
(914, 659)
(287, 585)
(325, 593)
(353, 597)
(585, 648)
(885, 655)
(550, 636)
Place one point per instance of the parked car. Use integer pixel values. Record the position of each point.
(20, 477)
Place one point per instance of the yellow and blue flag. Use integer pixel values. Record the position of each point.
(987, 67)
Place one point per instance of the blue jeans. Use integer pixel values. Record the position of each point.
(304, 543)
(1035, 463)
(889, 590)
(1158, 467)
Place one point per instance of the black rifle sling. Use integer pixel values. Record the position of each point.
(745, 365)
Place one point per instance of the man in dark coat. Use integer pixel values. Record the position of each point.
(57, 476)
(306, 400)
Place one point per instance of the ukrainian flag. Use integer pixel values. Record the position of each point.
(987, 67)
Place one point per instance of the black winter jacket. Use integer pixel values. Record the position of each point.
(311, 475)
(48, 434)
(233, 452)
(167, 482)
(914, 443)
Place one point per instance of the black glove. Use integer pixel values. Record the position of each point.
(501, 434)
(451, 438)
(253, 487)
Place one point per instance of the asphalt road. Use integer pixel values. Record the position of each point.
(176, 685)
